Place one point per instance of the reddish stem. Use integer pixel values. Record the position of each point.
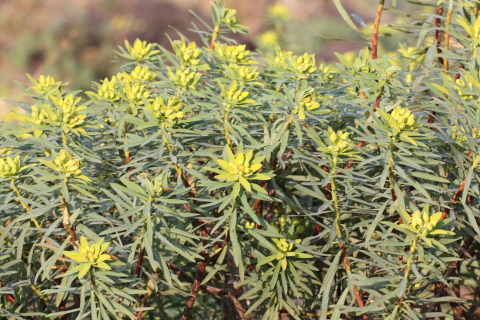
(438, 32)
(196, 287)
(376, 27)
(356, 290)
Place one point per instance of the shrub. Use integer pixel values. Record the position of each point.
(214, 182)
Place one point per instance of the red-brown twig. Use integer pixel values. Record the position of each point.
(457, 194)
(182, 274)
(9, 297)
(438, 32)
(446, 63)
(376, 27)
(141, 256)
(356, 290)
(196, 287)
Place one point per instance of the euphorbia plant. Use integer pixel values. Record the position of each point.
(214, 182)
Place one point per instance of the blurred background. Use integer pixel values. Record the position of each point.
(73, 40)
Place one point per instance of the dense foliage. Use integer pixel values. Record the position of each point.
(217, 183)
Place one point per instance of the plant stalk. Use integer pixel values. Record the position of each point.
(376, 27)
(408, 270)
(438, 32)
(447, 38)
(216, 31)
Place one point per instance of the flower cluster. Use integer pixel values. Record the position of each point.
(68, 111)
(233, 54)
(188, 55)
(168, 113)
(184, 78)
(463, 86)
(39, 115)
(338, 142)
(45, 84)
(459, 133)
(360, 65)
(139, 73)
(301, 65)
(235, 96)
(109, 89)
(242, 73)
(135, 92)
(426, 225)
(89, 256)
(140, 50)
(10, 167)
(279, 11)
(285, 251)
(241, 168)
(307, 102)
(63, 164)
(268, 38)
(399, 120)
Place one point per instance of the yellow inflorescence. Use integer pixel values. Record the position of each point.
(10, 167)
(169, 112)
(235, 96)
(184, 78)
(338, 142)
(285, 251)
(109, 89)
(233, 54)
(241, 168)
(45, 84)
(279, 11)
(90, 256)
(140, 50)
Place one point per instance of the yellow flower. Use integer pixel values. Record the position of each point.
(135, 92)
(70, 168)
(233, 54)
(462, 87)
(139, 73)
(234, 96)
(250, 225)
(426, 225)
(184, 78)
(306, 63)
(399, 120)
(285, 251)
(188, 55)
(301, 65)
(307, 102)
(242, 73)
(268, 38)
(10, 167)
(282, 57)
(459, 133)
(140, 50)
(168, 113)
(241, 168)
(68, 111)
(280, 11)
(38, 116)
(339, 142)
(109, 88)
(45, 84)
(89, 256)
